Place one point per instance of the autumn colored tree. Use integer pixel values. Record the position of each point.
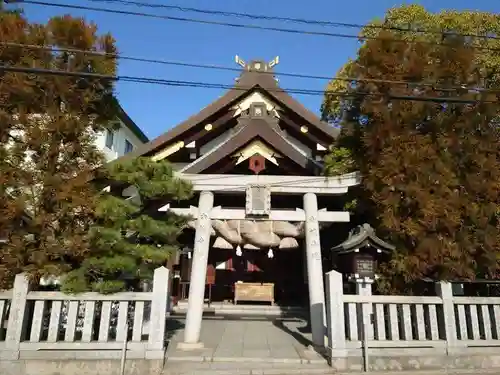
(414, 23)
(47, 129)
(130, 238)
(422, 127)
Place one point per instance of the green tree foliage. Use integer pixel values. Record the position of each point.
(431, 170)
(339, 161)
(130, 238)
(48, 126)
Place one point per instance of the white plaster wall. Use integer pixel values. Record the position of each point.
(121, 134)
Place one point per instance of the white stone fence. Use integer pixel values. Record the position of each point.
(57, 326)
(54, 325)
(441, 324)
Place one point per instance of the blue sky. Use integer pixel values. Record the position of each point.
(157, 108)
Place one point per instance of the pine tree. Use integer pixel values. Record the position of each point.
(130, 238)
(47, 132)
(431, 170)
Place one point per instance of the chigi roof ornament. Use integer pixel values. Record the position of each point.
(257, 65)
(240, 61)
(274, 62)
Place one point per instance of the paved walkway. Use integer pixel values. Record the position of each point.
(247, 339)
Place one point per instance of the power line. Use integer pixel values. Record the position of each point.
(226, 68)
(167, 62)
(239, 25)
(290, 19)
(179, 83)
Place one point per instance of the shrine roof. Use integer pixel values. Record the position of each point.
(255, 76)
(247, 130)
(360, 236)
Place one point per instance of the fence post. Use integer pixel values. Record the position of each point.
(365, 313)
(444, 290)
(16, 324)
(157, 322)
(335, 324)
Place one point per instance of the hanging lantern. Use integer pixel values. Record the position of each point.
(270, 254)
(238, 251)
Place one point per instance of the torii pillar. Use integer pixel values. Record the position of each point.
(198, 273)
(314, 271)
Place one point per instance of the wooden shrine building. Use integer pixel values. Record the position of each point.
(255, 158)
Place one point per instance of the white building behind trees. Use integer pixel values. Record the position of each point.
(122, 138)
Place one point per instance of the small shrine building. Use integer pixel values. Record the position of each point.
(263, 212)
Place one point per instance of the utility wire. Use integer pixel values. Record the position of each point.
(178, 83)
(168, 62)
(291, 19)
(239, 25)
(238, 70)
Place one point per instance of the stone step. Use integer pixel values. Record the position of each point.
(302, 360)
(230, 309)
(244, 368)
(284, 369)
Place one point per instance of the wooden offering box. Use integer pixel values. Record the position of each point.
(256, 292)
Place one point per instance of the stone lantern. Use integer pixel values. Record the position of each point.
(359, 253)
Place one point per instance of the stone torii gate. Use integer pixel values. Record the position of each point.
(207, 185)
